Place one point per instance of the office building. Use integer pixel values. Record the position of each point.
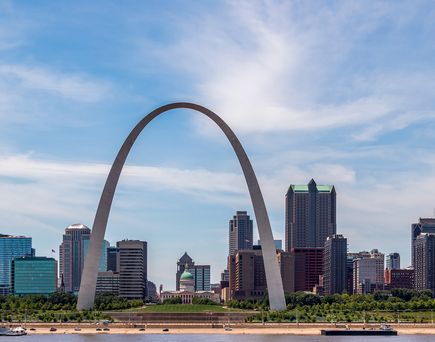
(11, 247)
(424, 268)
(393, 261)
(424, 225)
(201, 275)
(132, 269)
(152, 291)
(399, 278)
(286, 265)
(334, 264)
(108, 282)
(308, 266)
(240, 232)
(34, 275)
(247, 275)
(72, 255)
(102, 266)
(278, 243)
(310, 215)
(112, 259)
(368, 272)
(349, 271)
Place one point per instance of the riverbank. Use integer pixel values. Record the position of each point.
(245, 329)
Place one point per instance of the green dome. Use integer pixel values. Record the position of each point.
(186, 275)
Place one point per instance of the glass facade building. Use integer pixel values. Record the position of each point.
(11, 247)
(34, 275)
(102, 267)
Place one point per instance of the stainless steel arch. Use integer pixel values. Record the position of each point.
(273, 274)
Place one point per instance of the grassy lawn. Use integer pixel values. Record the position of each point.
(183, 308)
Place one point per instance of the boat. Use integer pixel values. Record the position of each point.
(384, 330)
(18, 331)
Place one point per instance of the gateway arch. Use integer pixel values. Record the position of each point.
(89, 276)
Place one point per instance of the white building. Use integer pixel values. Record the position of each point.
(187, 291)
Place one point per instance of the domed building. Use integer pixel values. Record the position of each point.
(187, 282)
(187, 291)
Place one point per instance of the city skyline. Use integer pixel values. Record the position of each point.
(341, 94)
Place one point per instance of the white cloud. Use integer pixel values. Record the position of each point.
(67, 85)
(276, 67)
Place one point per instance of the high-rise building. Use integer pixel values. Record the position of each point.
(349, 271)
(108, 282)
(286, 265)
(240, 232)
(72, 255)
(399, 278)
(368, 272)
(424, 267)
(132, 269)
(113, 259)
(278, 243)
(308, 266)
(201, 275)
(393, 261)
(152, 291)
(34, 275)
(11, 247)
(334, 264)
(247, 275)
(424, 225)
(102, 266)
(310, 215)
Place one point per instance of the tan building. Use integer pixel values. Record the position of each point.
(247, 275)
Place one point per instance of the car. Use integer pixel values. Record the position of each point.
(98, 329)
(106, 329)
(77, 329)
(142, 329)
(165, 329)
(32, 329)
(53, 329)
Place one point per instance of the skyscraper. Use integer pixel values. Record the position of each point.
(72, 255)
(393, 261)
(34, 275)
(334, 264)
(240, 232)
(112, 259)
(424, 268)
(102, 266)
(201, 275)
(11, 247)
(132, 269)
(310, 212)
(424, 225)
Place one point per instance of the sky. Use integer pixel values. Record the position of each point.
(338, 91)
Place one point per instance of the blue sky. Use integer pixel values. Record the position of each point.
(340, 91)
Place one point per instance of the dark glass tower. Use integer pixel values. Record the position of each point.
(310, 215)
(240, 232)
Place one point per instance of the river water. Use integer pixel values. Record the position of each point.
(212, 338)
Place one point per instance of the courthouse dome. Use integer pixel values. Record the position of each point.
(186, 275)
